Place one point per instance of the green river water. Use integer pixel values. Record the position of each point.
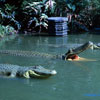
(74, 80)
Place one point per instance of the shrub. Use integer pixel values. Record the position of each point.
(6, 30)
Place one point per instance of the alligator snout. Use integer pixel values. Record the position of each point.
(53, 72)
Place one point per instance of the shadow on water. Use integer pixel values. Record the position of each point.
(74, 80)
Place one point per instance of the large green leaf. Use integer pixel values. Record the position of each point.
(72, 7)
(44, 16)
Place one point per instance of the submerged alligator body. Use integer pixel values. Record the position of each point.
(25, 71)
(30, 54)
(70, 52)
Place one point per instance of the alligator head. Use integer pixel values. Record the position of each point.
(39, 72)
(78, 50)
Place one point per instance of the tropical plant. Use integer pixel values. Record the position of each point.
(33, 14)
(7, 16)
(38, 12)
(6, 30)
(80, 13)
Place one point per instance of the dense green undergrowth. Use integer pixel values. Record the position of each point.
(6, 30)
(32, 15)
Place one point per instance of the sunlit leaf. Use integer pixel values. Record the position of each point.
(44, 16)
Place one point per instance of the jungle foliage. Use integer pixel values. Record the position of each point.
(32, 15)
(6, 30)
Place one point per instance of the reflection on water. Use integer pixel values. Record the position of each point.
(74, 80)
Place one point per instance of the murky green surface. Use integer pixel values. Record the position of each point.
(74, 80)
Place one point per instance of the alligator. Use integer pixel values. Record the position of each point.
(70, 52)
(25, 71)
(30, 54)
(74, 51)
